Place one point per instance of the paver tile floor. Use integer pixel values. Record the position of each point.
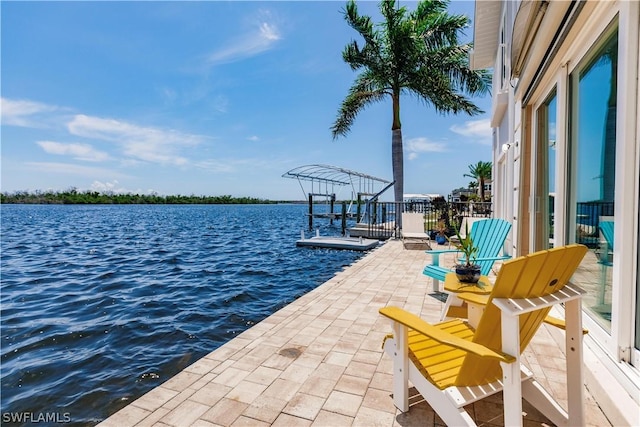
(319, 361)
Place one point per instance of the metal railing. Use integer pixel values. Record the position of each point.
(588, 216)
(472, 209)
(382, 220)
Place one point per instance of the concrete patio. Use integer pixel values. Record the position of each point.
(319, 361)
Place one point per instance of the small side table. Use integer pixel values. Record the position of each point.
(454, 307)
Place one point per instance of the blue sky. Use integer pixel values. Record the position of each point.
(205, 98)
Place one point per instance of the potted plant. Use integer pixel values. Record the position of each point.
(441, 232)
(468, 271)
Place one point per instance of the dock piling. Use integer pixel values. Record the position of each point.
(310, 212)
(344, 218)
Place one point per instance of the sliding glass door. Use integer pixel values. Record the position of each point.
(593, 86)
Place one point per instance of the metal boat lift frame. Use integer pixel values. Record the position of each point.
(333, 176)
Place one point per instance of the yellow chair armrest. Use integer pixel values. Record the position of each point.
(473, 298)
(560, 323)
(470, 298)
(414, 322)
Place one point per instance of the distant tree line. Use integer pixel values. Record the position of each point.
(75, 197)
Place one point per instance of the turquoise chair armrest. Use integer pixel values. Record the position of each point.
(495, 258)
(435, 258)
(442, 251)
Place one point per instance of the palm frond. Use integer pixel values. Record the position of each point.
(365, 90)
(453, 61)
(427, 8)
(480, 171)
(442, 30)
(436, 89)
(362, 24)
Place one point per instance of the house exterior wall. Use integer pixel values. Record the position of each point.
(542, 152)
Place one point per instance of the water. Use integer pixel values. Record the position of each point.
(102, 303)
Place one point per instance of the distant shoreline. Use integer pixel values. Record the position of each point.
(74, 197)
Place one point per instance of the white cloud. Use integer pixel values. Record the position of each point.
(71, 169)
(78, 151)
(262, 38)
(231, 165)
(142, 143)
(169, 95)
(221, 103)
(112, 187)
(201, 94)
(217, 166)
(415, 146)
(132, 144)
(479, 130)
(23, 113)
(253, 138)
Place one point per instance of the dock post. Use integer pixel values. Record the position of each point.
(374, 215)
(333, 201)
(310, 212)
(344, 218)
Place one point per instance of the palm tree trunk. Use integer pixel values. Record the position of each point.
(608, 183)
(397, 160)
(397, 164)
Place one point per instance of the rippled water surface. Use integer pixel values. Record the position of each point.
(102, 303)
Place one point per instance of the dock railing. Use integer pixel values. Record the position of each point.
(588, 217)
(380, 220)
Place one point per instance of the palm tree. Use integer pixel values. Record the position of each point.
(415, 53)
(481, 171)
(608, 166)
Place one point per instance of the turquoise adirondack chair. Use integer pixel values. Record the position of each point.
(606, 228)
(488, 235)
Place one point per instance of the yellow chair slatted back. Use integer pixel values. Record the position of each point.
(535, 275)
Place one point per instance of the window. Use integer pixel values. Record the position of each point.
(545, 171)
(592, 173)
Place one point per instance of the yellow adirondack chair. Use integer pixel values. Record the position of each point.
(454, 363)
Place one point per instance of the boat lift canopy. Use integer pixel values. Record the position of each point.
(331, 176)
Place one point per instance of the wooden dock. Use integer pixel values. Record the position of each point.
(347, 243)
